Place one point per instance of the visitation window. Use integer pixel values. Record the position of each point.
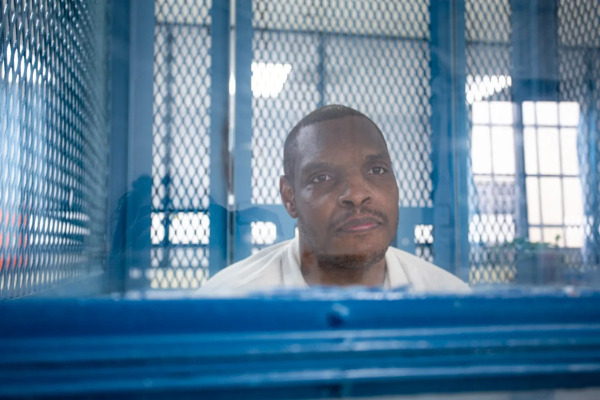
(493, 169)
(551, 169)
(554, 196)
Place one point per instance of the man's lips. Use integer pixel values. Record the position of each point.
(359, 224)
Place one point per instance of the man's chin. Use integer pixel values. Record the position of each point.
(352, 261)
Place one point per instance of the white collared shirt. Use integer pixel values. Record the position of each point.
(278, 266)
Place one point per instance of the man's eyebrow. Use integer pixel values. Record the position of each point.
(379, 156)
(312, 166)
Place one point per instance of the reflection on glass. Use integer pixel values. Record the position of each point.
(568, 113)
(530, 149)
(548, 151)
(568, 151)
(503, 146)
(501, 113)
(551, 201)
(533, 202)
(481, 150)
(528, 110)
(546, 113)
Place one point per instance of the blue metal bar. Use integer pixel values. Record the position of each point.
(329, 344)
(118, 162)
(242, 180)
(219, 131)
(592, 253)
(534, 42)
(450, 151)
(321, 69)
(139, 171)
(167, 140)
(461, 165)
(522, 218)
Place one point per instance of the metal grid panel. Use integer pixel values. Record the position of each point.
(53, 143)
(180, 169)
(274, 112)
(388, 79)
(579, 81)
(400, 18)
(371, 55)
(491, 195)
(424, 242)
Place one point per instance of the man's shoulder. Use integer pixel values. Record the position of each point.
(425, 276)
(260, 270)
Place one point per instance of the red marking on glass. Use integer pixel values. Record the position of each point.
(1, 261)
(20, 220)
(14, 220)
(14, 262)
(20, 239)
(25, 221)
(20, 261)
(7, 240)
(8, 261)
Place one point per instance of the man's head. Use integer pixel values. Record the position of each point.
(340, 184)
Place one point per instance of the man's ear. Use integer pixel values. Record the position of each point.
(287, 196)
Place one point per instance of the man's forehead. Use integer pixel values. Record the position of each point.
(348, 130)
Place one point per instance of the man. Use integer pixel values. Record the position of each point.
(340, 186)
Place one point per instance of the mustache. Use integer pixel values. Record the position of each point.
(363, 211)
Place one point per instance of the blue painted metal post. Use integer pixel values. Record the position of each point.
(591, 252)
(535, 58)
(219, 120)
(117, 178)
(130, 181)
(243, 129)
(535, 78)
(450, 152)
(139, 146)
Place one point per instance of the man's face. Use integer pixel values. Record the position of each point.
(344, 192)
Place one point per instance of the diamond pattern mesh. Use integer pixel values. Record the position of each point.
(495, 250)
(491, 195)
(180, 153)
(53, 143)
(370, 55)
(579, 81)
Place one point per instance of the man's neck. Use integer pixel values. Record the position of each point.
(319, 272)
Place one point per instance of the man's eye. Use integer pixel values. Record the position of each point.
(378, 170)
(321, 178)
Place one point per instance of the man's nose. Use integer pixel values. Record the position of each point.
(355, 192)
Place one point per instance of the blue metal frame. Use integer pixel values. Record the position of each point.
(450, 137)
(117, 179)
(130, 181)
(219, 120)
(242, 161)
(535, 59)
(534, 76)
(317, 344)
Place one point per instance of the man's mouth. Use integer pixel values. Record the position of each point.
(360, 224)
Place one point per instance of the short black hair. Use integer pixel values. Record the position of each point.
(326, 113)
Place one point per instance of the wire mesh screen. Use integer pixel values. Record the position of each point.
(180, 169)
(370, 55)
(549, 217)
(492, 188)
(53, 143)
(579, 82)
